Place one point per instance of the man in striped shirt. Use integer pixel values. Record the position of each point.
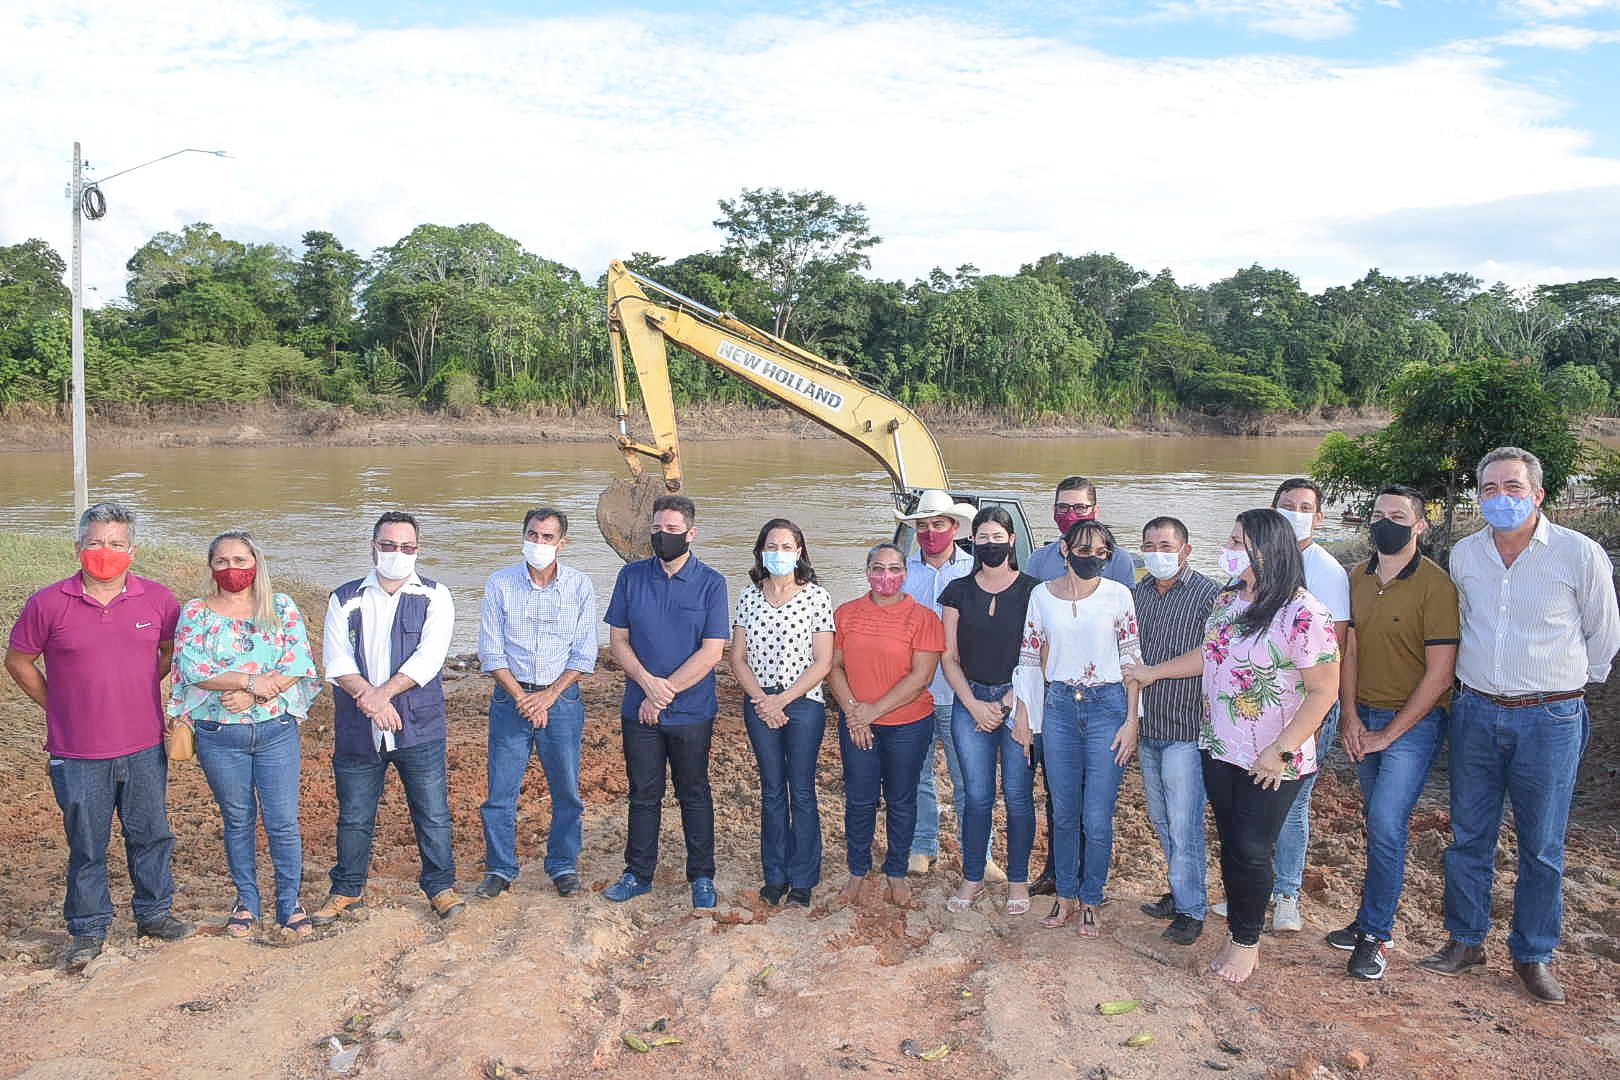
(1172, 605)
(1539, 622)
(537, 639)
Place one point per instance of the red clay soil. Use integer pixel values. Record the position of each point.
(534, 985)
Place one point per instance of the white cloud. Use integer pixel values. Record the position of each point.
(1558, 9)
(589, 138)
(1308, 20)
(1556, 36)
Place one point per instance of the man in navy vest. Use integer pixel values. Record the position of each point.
(668, 626)
(386, 638)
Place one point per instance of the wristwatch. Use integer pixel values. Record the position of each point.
(1287, 756)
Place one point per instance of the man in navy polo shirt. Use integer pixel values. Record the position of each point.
(669, 622)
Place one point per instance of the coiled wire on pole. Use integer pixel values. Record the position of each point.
(93, 202)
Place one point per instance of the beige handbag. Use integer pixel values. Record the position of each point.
(179, 741)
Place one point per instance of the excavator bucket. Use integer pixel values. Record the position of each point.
(624, 515)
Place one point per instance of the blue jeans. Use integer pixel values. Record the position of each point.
(890, 768)
(253, 769)
(1288, 864)
(512, 739)
(789, 820)
(978, 753)
(88, 791)
(926, 839)
(1173, 781)
(1085, 781)
(1391, 781)
(1531, 755)
(425, 777)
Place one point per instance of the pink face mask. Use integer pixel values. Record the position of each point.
(886, 582)
(934, 541)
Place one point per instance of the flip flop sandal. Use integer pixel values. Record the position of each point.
(1017, 907)
(240, 924)
(959, 904)
(1088, 921)
(1059, 916)
(299, 922)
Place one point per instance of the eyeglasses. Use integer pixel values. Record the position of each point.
(390, 546)
(1073, 508)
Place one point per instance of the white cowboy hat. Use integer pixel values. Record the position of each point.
(936, 503)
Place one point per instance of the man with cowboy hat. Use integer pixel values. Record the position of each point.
(935, 563)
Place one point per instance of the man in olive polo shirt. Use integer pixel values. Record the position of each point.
(1395, 685)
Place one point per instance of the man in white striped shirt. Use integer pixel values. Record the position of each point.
(1539, 622)
(537, 639)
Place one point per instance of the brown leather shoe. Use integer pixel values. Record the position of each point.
(334, 907)
(1540, 981)
(447, 903)
(1454, 959)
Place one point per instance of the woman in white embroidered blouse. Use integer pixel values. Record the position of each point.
(1086, 626)
(781, 650)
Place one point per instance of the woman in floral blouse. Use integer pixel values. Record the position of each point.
(243, 679)
(1086, 628)
(1270, 664)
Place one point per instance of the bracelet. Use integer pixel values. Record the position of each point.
(250, 690)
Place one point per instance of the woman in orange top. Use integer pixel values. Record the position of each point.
(885, 649)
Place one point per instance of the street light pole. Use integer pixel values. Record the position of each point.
(81, 465)
(81, 456)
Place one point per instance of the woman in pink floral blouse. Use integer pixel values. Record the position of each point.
(243, 679)
(1270, 664)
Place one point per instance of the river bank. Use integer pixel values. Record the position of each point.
(142, 427)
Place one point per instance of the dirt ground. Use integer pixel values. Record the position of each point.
(532, 985)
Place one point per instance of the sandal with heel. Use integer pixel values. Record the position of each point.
(240, 924)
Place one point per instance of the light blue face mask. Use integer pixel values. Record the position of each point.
(780, 562)
(1507, 512)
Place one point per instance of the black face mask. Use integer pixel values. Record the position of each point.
(1086, 567)
(669, 546)
(1389, 536)
(993, 554)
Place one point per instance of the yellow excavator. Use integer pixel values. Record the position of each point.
(828, 393)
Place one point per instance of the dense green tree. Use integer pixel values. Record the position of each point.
(324, 283)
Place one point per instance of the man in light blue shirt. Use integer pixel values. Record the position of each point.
(935, 563)
(537, 639)
(1076, 501)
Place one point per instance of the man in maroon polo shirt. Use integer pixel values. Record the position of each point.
(107, 637)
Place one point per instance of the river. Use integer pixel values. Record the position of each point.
(313, 507)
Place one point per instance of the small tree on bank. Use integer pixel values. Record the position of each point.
(1446, 417)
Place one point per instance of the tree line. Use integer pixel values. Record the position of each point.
(461, 316)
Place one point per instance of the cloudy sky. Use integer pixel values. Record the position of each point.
(1323, 136)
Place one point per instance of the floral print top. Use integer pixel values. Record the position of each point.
(207, 645)
(1253, 686)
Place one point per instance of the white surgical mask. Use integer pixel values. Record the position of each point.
(1162, 564)
(395, 565)
(539, 555)
(1302, 522)
(1233, 563)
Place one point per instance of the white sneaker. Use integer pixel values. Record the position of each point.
(1285, 915)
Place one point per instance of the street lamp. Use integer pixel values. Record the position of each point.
(89, 202)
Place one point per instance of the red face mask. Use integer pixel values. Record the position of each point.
(104, 564)
(233, 579)
(934, 541)
(1065, 522)
(886, 582)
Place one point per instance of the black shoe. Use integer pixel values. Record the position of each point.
(799, 896)
(772, 894)
(1184, 930)
(567, 884)
(1045, 885)
(491, 887)
(1343, 939)
(81, 950)
(1454, 959)
(167, 928)
(1540, 981)
(1165, 908)
(1369, 960)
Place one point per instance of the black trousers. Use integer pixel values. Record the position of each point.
(685, 749)
(1248, 818)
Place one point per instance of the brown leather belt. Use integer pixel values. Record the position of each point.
(1519, 701)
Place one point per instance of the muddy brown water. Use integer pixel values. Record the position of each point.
(312, 507)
